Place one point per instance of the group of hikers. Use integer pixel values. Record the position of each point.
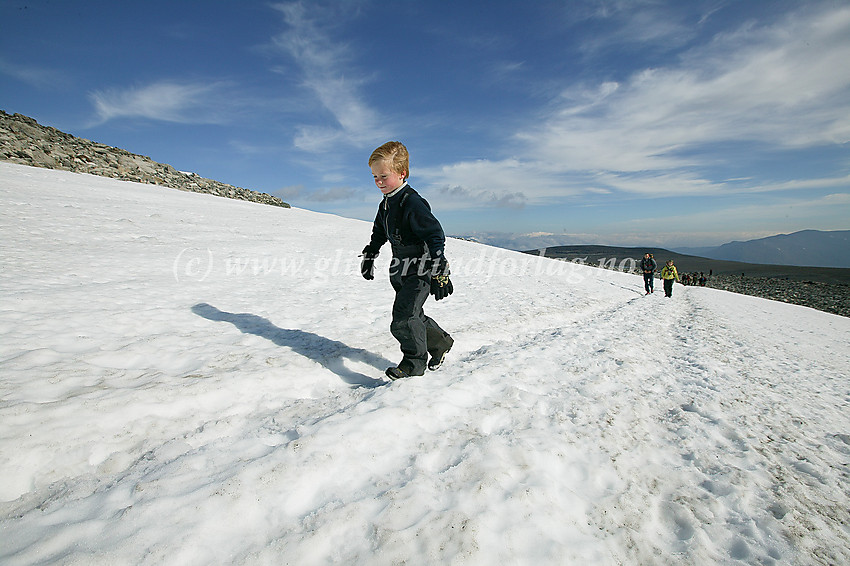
(668, 274)
(695, 278)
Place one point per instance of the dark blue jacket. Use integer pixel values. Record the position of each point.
(406, 221)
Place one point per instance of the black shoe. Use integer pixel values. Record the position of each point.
(439, 355)
(396, 373)
(404, 369)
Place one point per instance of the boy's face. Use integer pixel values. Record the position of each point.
(385, 178)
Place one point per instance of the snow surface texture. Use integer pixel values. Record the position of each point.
(189, 379)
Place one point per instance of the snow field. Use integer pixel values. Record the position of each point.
(189, 379)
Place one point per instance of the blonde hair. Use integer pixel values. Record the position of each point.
(396, 154)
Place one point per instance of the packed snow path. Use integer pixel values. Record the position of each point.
(188, 379)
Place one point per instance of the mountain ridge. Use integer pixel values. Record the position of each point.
(26, 142)
(805, 248)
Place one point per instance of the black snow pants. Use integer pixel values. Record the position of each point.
(418, 334)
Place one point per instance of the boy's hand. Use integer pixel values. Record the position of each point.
(367, 265)
(441, 285)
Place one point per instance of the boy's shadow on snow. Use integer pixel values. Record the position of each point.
(329, 353)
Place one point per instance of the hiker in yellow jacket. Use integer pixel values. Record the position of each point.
(669, 274)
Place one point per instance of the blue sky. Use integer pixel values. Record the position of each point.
(656, 122)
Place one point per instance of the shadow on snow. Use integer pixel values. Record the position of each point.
(329, 353)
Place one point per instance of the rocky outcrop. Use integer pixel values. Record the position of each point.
(25, 141)
(825, 297)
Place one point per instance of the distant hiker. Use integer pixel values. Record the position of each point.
(418, 267)
(648, 266)
(669, 274)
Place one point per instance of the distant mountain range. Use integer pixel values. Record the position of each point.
(624, 259)
(804, 248)
(812, 248)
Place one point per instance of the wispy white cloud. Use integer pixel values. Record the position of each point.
(180, 102)
(36, 76)
(508, 183)
(828, 183)
(777, 87)
(829, 211)
(767, 85)
(645, 23)
(325, 65)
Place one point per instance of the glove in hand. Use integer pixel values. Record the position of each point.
(367, 264)
(441, 285)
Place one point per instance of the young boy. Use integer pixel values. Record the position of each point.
(418, 267)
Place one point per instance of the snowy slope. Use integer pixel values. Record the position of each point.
(187, 379)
